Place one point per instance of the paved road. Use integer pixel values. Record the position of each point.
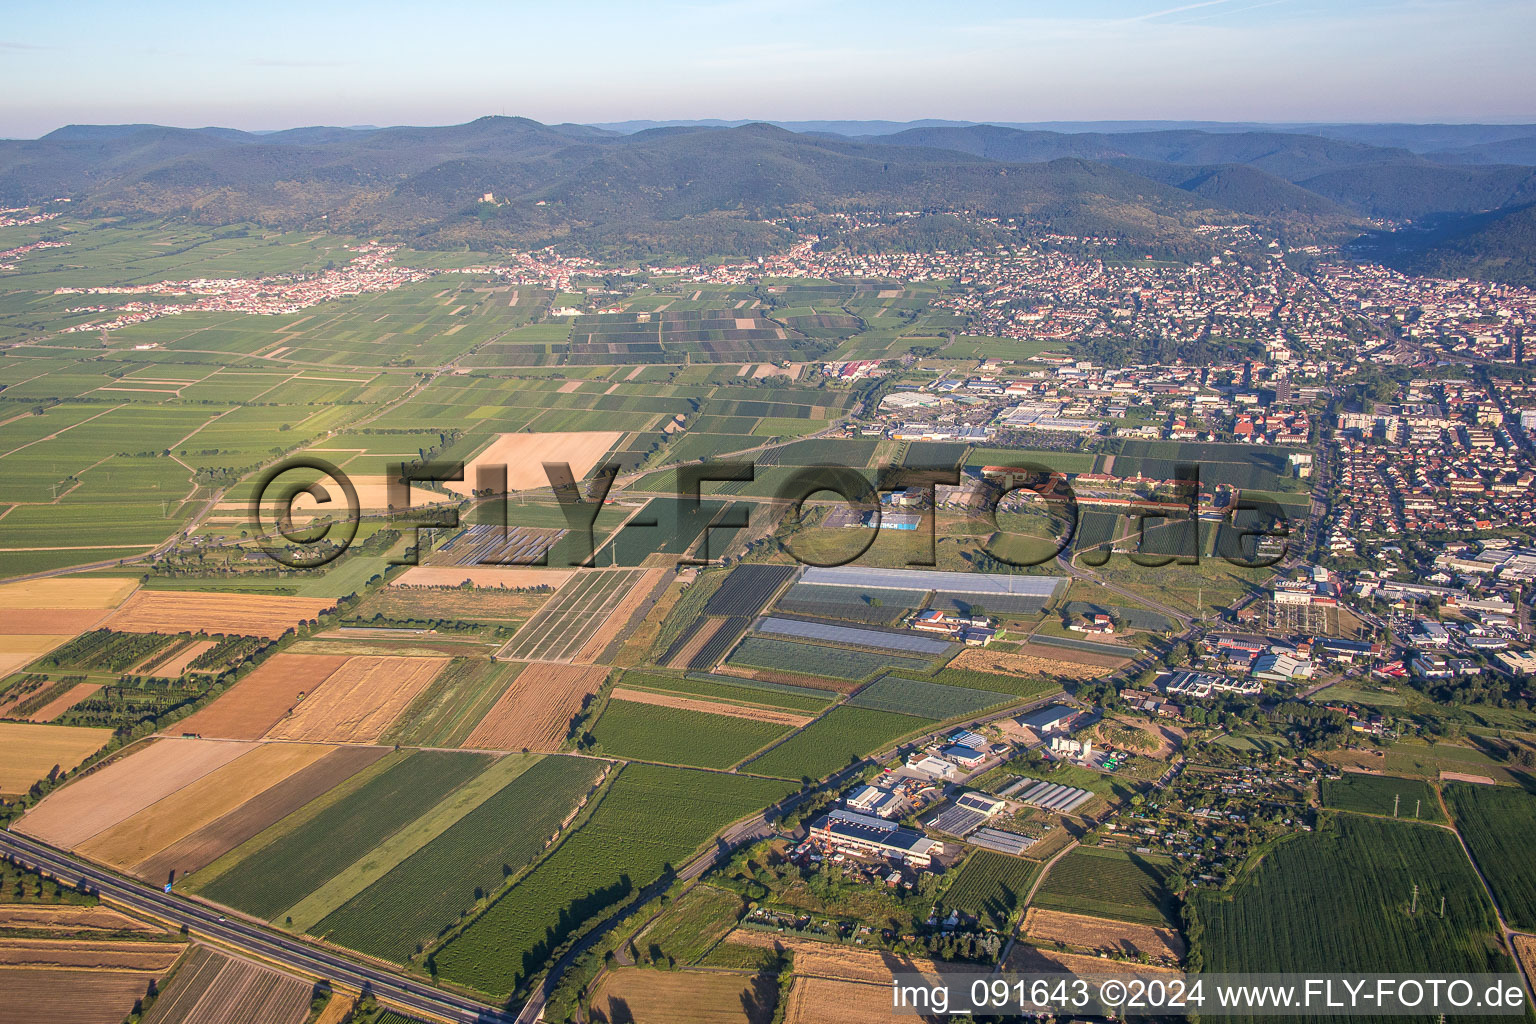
(408, 994)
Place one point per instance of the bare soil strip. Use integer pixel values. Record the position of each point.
(709, 707)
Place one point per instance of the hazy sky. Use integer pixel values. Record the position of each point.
(281, 64)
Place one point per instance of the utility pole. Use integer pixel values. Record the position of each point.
(1415, 909)
(1416, 804)
(1395, 798)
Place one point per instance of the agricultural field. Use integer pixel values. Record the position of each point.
(28, 752)
(928, 700)
(1342, 900)
(747, 588)
(1109, 883)
(1413, 799)
(1498, 824)
(751, 712)
(73, 996)
(95, 802)
(523, 455)
(692, 924)
(164, 611)
(453, 704)
(649, 818)
(210, 987)
(779, 655)
(425, 893)
(198, 804)
(536, 710)
(730, 690)
(569, 619)
(633, 995)
(991, 887)
(256, 814)
(254, 705)
(832, 741)
(1100, 935)
(357, 702)
(291, 860)
(679, 735)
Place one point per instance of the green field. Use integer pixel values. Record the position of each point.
(296, 862)
(1342, 900)
(650, 817)
(991, 887)
(695, 922)
(1375, 794)
(830, 742)
(447, 711)
(1109, 883)
(813, 659)
(425, 893)
(646, 732)
(1499, 825)
(746, 691)
(924, 699)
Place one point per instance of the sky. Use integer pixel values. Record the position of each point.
(282, 64)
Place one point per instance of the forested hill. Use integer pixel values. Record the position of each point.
(699, 190)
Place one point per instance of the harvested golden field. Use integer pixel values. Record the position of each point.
(537, 709)
(524, 456)
(480, 604)
(18, 650)
(175, 611)
(43, 917)
(28, 752)
(613, 626)
(142, 835)
(823, 1000)
(979, 659)
(667, 700)
(63, 702)
(1099, 934)
(1027, 959)
(152, 957)
(107, 795)
(834, 960)
(634, 995)
(1525, 950)
(70, 997)
(359, 700)
(250, 708)
(75, 594)
(175, 667)
(490, 576)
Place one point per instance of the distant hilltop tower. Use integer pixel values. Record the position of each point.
(489, 197)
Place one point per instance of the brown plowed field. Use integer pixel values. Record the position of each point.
(250, 709)
(173, 668)
(667, 700)
(1525, 949)
(75, 919)
(537, 709)
(635, 995)
(70, 997)
(211, 988)
(614, 625)
(63, 702)
(359, 701)
(173, 611)
(524, 456)
(154, 957)
(703, 635)
(209, 843)
(1036, 663)
(28, 752)
(177, 816)
(1096, 933)
(50, 620)
(94, 803)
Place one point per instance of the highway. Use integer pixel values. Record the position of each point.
(405, 993)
